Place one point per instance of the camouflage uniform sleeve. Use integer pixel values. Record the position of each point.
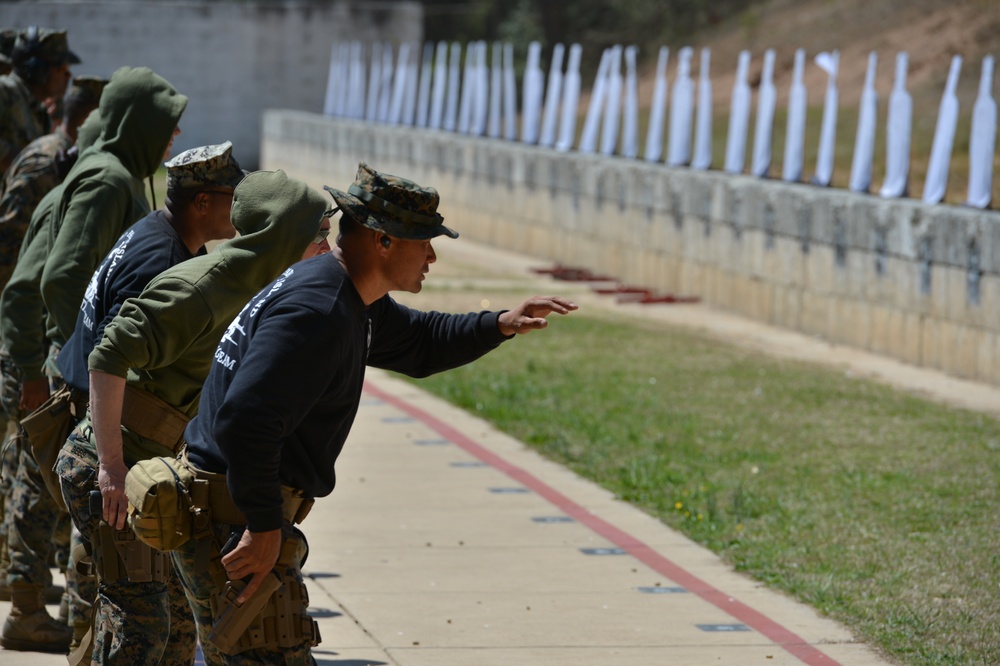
(35, 177)
(22, 315)
(154, 329)
(91, 224)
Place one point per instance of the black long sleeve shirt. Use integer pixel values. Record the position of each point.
(284, 390)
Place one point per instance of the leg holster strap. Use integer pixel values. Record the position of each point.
(119, 556)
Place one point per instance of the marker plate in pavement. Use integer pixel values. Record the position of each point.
(602, 551)
(723, 627)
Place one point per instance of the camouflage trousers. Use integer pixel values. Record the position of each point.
(134, 623)
(36, 530)
(200, 587)
(10, 452)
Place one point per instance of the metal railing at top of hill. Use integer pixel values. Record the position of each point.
(480, 98)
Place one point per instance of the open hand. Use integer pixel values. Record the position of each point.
(530, 315)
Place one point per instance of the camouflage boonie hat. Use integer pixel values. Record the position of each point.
(204, 168)
(393, 205)
(86, 90)
(49, 45)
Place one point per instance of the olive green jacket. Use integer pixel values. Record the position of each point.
(103, 194)
(22, 313)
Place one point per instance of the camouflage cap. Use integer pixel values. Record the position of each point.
(86, 90)
(204, 168)
(393, 205)
(49, 45)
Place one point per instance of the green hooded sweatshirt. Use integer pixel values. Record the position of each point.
(103, 194)
(164, 340)
(22, 313)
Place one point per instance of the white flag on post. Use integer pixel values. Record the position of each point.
(468, 101)
(509, 94)
(795, 131)
(410, 91)
(764, 128)
(552, 94)
(532, 94)
(982, 144)
(612, 112)
(329, 100)
(385, 86)
(739, 118)
(496, 91)
(630, 126)
(482, 91)
(829, 63)
(424, 90)
(571, 97)
(864, 142)
(450, 121)
(897, 134)
(681, 112)
(439, 85)
(703, 116)
(936, 185)
(658, 109)
(374, 82)
(588, 141)
(399, 85)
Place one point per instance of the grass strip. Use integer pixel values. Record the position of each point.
(874, 506)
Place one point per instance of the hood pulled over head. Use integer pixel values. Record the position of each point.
(277, 217)
(139, 112)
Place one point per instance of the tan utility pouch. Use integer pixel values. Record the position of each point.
(47, 428)
(160, 509)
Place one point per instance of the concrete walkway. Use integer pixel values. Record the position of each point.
(449, 543)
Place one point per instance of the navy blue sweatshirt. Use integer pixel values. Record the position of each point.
(283, 392)
(146, 249)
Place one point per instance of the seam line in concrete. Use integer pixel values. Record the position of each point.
(782, 637)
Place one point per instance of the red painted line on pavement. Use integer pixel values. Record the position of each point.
(785, 638)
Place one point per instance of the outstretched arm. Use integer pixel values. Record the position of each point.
(530, 315)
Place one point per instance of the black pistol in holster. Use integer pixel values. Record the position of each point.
(251, 626)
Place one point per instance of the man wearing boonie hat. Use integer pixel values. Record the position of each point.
(41, 60)
(280, 399)
(200, 186)
(41, 166)
(146, 374)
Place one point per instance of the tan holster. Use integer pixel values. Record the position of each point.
(117, 555)
(47, 429)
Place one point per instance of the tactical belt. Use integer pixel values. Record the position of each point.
(294, 507)
(149, 416)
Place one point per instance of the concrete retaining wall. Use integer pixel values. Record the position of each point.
(232, 59)
(916, 282)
